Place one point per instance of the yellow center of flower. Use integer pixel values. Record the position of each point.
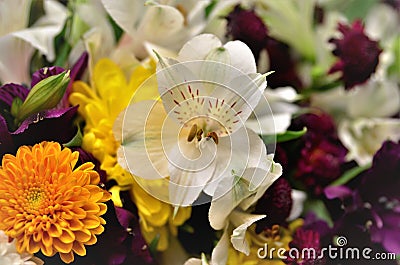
(35, 197)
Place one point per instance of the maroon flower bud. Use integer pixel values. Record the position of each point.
(276, 203)
(358, 55)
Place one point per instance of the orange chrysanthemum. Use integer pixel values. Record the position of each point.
(47, 205)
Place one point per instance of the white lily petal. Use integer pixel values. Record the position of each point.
(219, 255)
(242, 149)
(298, 198)
(126, 20)
(14, 64)
(242, 220)
(363, 137)
(238, 101)
(198, 47)
(190, 169)
(160, 21)
(287, 94)
(14, 15)
(274, 172)
(376, 98)
(241, 57)
(143, 141)
(41, 35)
(271, 124)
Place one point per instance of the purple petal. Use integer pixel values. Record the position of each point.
(124, 217)
(6, 141)
(10, 91)
(341, 192)
(51, 125)
(43, 73)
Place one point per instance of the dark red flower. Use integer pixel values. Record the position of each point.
(322, 155)
(246, 26)
(276, 203)
(358, 54)
(305, 239)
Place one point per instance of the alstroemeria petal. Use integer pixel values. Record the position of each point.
(242, 220)
(363, 137)
(190, 170)
(14, 64)
(236, 152)
(198, 47)
(241, 57)
(41, 35)
(142, 139)
(219, 255)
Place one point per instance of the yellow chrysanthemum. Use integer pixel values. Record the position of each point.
(100, 105)
(277, 237)
(47, 205)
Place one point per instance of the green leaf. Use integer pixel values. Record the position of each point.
(153, 245)
(283, 137)
(318, 207)
(210, 7)
(349, 175)
(76, 141)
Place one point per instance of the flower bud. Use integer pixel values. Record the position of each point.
(44, 95)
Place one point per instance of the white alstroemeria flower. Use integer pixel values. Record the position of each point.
(363, 137)
(363, 115)
(10, 256)
(229, 211)
(167, 23)
(17, 42)
(275, 115)
(196, 136)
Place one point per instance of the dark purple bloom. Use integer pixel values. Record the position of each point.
(305, 239)
(246, 26)
(322, 155)
(358, 54)
(276, 203)
(373, 206)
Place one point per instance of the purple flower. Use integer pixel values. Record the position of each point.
(358, 55)
(322, 155)
(373, 206)
(246, 26)
(276, 203)
(50, 125)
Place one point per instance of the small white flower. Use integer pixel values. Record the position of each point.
(196, 136)
(10, 256)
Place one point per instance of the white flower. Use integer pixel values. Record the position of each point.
(10, 256)
(169, 23)
(196, 136)
(230, 211)
(274, 116)
(17, 42)
(363, 115)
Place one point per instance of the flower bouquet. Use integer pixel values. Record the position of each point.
(199, 132)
